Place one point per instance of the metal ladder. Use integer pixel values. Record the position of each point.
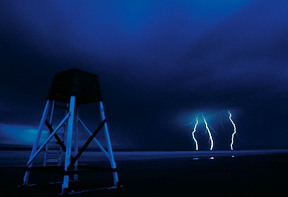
(53, 155)
(53, 151)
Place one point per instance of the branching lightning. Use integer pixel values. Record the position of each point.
(193, 133)
(233, 134)
(210, 136)
(209, 129)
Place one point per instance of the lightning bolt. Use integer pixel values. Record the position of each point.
(233, 134)
(193, 133)
(210, 136)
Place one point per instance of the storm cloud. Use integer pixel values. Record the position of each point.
(159, 64)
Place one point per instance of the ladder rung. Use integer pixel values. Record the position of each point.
(52, 160)
(53, 142)
(62, 107)
(54, 151)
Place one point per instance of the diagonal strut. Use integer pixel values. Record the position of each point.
(87, 143)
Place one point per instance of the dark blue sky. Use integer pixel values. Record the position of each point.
(159, 64)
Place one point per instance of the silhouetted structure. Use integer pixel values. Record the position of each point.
(73, 88)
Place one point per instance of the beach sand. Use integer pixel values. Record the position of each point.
(161, 174)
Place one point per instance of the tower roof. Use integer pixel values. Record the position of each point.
(79, 83)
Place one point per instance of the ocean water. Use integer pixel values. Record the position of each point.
(18, 158)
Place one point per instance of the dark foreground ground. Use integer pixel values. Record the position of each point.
(167, 175)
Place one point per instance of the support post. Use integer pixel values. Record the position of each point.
(76, 130)
(109, 146)
(65, 184)
(45, 112)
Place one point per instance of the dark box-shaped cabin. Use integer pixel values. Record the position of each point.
(83, 85)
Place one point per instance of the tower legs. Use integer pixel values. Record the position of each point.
(71, 159)
(65, 184)
(109, 146)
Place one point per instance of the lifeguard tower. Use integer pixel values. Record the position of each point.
(71, 88)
